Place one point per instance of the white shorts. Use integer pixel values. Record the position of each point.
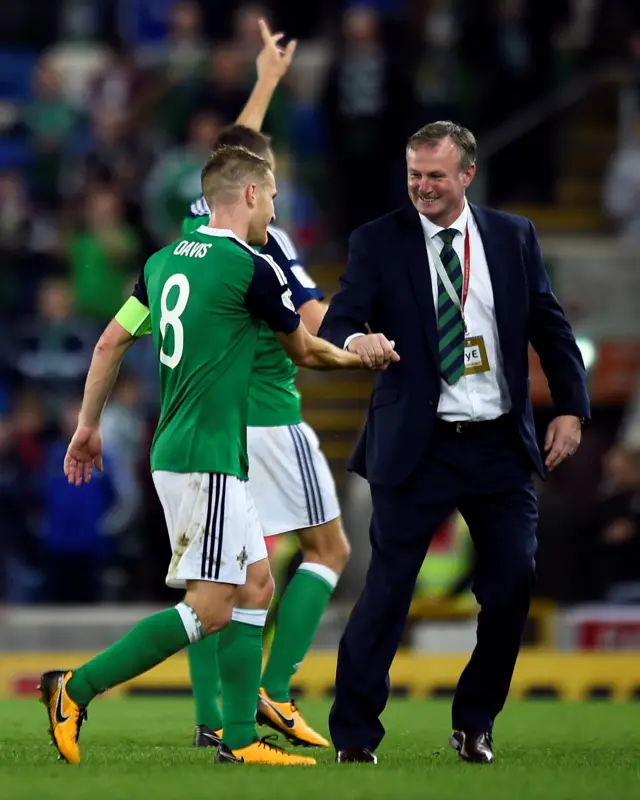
(213, 527)
(290, 479)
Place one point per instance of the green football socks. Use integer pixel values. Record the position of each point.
(299, 613)
(205, 680)
(147, 644)
(240, 659)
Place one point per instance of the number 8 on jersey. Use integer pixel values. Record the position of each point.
(171, 317)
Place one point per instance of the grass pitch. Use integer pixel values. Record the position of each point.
(140, 748)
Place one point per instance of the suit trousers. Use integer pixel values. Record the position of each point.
(483, 470)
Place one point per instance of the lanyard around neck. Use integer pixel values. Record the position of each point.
(458, 301)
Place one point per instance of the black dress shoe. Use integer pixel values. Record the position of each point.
(476, 748)
(355, 755)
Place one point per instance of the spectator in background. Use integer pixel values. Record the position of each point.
(76, 545)
(224, 92)
(618, 524)
(177, 67)
(116, 154)
(15, 215)
(369, 110)
(508, 49)
(622, 189)
(17, 547)
(29, 428)
(246, 32)
(119, 85)
(175, 179)
(103, 255)
(53, 349)
(50, 120)
(437, 81)
(29, 244)
(124, 439)
(616, 556)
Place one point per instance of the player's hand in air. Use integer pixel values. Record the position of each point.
(375, 350)
(273, 61)
(83, 454)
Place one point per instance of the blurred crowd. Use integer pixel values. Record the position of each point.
(107, 112)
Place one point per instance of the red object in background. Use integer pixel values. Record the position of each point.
(25, 685)
(444, 537)
(616, 372)
(612, 381)
(608, 635)
(271, 544)
(539, 387)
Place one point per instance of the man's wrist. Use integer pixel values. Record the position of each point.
(349, 339)
(87, 422)
(267, 83)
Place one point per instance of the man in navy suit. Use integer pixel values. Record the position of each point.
(461, 291)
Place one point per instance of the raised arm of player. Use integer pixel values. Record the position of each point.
(85, 449)
(272, 64)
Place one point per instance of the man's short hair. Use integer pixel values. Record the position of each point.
(228, 170)
(241, 136)
(434, 132)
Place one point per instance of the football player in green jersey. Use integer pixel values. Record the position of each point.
(293, 489)
(204, 297)
(289, 477)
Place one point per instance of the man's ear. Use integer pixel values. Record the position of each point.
(250, 194)
(469, 175)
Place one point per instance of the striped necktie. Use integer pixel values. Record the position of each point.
(450, 327)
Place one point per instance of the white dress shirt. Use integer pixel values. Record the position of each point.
(483, 395)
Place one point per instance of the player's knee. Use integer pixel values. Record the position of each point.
(327, 545)
(257, 592)
(214, 619)
(212, 603)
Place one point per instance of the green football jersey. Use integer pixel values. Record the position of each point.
(205, 297)
(274, 399)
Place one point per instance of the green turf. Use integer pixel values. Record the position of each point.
(141, 749)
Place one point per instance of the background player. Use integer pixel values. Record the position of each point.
(203, 296)
(289, 477)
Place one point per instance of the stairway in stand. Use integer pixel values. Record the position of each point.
(334, 403)
(585, 144)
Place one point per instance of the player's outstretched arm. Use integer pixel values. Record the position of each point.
(272, 64)
(312, 313)
(311, 352)
(85, 449)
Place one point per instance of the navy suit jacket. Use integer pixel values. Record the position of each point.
(387, 284)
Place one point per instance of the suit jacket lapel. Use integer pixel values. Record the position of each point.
(420, 274)
(496, 249)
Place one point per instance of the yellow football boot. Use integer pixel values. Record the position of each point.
(65, 716)
(287, 720)
(262, 752)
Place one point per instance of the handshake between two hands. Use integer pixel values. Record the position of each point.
(375, 350)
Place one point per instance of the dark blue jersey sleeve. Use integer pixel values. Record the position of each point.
(269, 296)
(140, 290)
(282, 250)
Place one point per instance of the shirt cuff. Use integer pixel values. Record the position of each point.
(350, 339)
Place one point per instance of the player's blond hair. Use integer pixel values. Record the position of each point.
(228, 170)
